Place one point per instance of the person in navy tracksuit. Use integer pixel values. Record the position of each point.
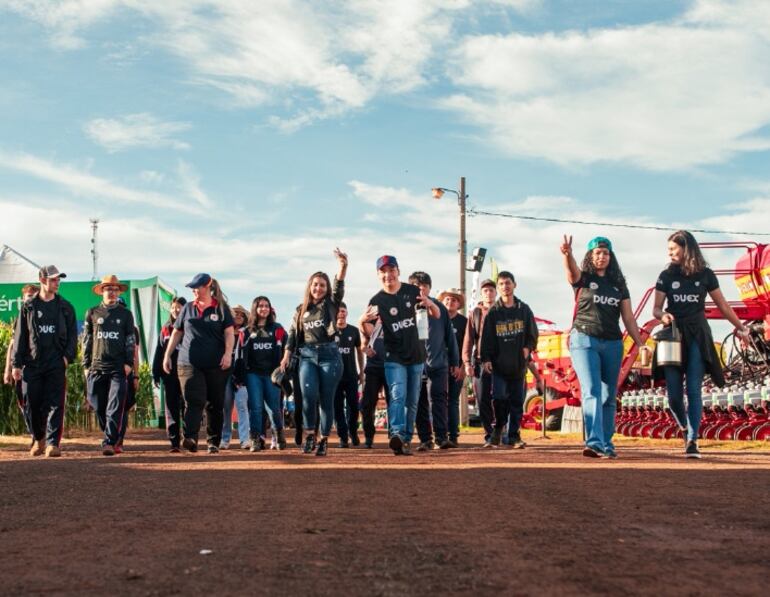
(171, 389)
(109, 344)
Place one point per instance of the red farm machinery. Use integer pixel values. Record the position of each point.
(737, 411)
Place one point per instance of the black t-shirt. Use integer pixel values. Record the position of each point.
(313, 327)
(265, 348)
(598, 306)
(399, 325)
(110, 339)
(686, 295)
(47, 329)
(348, 338)
(459, 325)
(203, 343)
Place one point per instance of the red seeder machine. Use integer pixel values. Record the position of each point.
(737, 411)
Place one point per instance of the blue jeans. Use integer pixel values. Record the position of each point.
(404, 385)
(320, 370)
(693, 380)
(240, 399)
(508, 403)
(263, 392)
(597, 364)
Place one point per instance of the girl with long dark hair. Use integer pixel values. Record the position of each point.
(320, 366)
(596, 344)
(683, 286)
(259, 353)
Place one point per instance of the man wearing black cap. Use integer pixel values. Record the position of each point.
(471, 354)
(395, 306)
(508, 337)
(45, 342)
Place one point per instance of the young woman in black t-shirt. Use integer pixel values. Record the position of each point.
(259, 353)
(596, 342)
(172, 392)
(683, 286)
(312, 333)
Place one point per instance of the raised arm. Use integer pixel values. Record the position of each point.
(570, 265)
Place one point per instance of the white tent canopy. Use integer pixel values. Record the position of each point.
(15, 268)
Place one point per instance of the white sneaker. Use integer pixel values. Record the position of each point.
(224, 445)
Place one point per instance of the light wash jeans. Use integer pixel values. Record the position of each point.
(240, 398)
(320, 370)
(694, 381)
(263, 392)
(404, 384)
(597, 364)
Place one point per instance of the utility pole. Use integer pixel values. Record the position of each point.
(463, 244)
(94, 254)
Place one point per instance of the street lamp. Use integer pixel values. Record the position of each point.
(438, 192)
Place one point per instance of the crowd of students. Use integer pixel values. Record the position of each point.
(415, 349)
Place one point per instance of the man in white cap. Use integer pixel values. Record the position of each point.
(45, 342)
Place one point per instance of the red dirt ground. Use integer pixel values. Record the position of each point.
(464, 522)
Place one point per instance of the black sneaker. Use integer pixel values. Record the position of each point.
(344, 443)
(212, 449)
(425, 446)
(368, 443)
(190, 444)
(692, 451)
(256, 446)
(591, 453)
(174, 450)
(444, 445)
(517, 443)
(309, 446)
(494, 439)
(354, 440)
(281, 439)
(322, 447)
(452, 443)
(397, 445)
(406, 449)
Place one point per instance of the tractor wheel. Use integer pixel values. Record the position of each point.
(533, 405)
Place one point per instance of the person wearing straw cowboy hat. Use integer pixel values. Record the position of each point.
(108, 358)
(454, 300)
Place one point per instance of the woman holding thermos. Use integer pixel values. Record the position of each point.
(311, 334)
(596, 342)
(683, 287)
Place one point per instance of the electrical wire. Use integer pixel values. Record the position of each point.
(472, 211)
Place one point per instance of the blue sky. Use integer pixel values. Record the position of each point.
(249, 139)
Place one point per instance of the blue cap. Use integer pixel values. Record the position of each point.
(386, 260)
(198, 281)
(599, 240)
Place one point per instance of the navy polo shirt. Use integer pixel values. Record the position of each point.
(203, 343)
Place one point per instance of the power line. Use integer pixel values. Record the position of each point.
(472, 211)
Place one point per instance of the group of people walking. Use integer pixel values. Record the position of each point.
(416, 349)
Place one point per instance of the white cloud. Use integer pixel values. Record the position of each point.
(135, 130)
(189, 183)
(86, 185)
(661, 96)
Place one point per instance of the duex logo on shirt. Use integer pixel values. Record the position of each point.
(46, 329)
(104, 335)
(309, 325)
(606, 300)
(685, 298)
(403, 324)
(262, 346)
(344, 349)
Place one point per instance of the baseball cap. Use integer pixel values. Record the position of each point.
(386, 260)
(599, 240)
(51, 271)
(198, 281)
(488, 282)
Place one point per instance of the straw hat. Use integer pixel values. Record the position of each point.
(455, 292)
(111, 280)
